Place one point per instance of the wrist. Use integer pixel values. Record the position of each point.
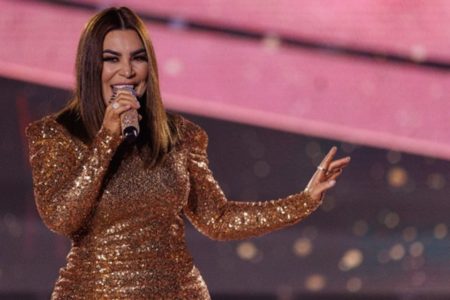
(107, 138)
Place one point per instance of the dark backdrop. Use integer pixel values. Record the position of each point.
(381, 233)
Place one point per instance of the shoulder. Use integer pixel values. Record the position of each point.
(190, 133)
(45, 128)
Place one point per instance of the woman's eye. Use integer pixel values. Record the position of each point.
(141, 58)
(110, 59)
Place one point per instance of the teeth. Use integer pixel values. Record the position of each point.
(120, 86)
(129, 87)
(123, 86)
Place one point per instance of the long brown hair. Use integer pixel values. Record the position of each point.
(158, 130)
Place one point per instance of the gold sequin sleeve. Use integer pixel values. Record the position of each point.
(67, 176)
(213, 215)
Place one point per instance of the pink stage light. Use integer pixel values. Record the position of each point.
(263, 82)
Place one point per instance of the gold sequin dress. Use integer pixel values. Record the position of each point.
(128, 239)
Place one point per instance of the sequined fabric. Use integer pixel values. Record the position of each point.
(127, 232)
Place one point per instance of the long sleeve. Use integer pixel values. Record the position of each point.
(67, 176)
(211, 213)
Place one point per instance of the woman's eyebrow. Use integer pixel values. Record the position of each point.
(112, 52)
(139, 51)
(135, 52)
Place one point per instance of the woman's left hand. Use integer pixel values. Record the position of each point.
(326, 174)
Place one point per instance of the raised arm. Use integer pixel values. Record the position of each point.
(67, 178)
(211, 213)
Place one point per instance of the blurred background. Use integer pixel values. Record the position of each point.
(275, 84)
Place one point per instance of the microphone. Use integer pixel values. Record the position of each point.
(129, 120)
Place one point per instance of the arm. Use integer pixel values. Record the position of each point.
(211, 213)
(67, 184)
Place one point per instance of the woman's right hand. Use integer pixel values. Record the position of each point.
(122, 101)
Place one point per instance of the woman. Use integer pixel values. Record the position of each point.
(121, 203)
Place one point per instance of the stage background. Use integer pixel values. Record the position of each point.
(275, 84)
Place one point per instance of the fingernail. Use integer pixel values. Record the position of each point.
(332, 182)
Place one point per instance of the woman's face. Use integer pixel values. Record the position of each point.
(124, 62)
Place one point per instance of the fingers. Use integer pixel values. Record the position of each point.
(111, 119)
(336, 168)
(124, 97)
(335, 175)
(328, 158)
(339, 164)
(117, 108)
(318, 191)
(121, 102)
(325, 164)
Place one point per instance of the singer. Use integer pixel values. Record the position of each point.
(121, 203)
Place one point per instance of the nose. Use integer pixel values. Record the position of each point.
(127, 69)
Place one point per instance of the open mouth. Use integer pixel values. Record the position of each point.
(124, 86)
(128, 87)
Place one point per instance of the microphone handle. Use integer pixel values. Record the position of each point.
(129, 120)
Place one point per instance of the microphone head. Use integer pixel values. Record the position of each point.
(130, 134)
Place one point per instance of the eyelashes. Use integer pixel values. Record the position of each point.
(112, 59)
(141, 58)
(116, 59)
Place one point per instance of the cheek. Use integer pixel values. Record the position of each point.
(143, 78)
(106, 74)
(106, 90)
(142, 71)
